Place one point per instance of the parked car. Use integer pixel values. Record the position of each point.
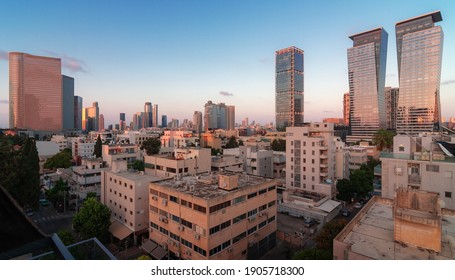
(358, 205)
(43, 202)
(345, 212)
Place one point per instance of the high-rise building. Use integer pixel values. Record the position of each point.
(419, 48)
(289, 87)
(78, 112)
(164, 120)
(90, 118)
(230, 120)
(68, 102)
(366, 70)
(147, 116)
(346, 108)
(101, 123)
(122, 122)
(197, 122)
(155, 115)
(391, 102)
(35, 93)
(122, 117)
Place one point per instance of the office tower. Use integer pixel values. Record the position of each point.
(101, 123)
(78, 112)
(163, 120)
(289, 87)
(122, 117)
(35, 92)
(68, 102)
(419, 48)
(122, 122)
(391, 102)
(147, 116)
(143, 119)
(197, 122)
(346, 108)
(90, 118)
(174, 123)
(210, 116)
(366, 70)
(230, 120)
(155, 115)
(245, 122)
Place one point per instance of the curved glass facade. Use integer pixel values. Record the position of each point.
(289, 87)
(419, 48)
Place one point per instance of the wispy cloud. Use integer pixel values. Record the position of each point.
(448, 82)
(225, 93)
(3, 101)
(71, 63)
(3, 55)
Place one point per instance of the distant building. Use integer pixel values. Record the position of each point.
(163, 120)
(35, 94)
(333, 120)
(155, 115)
(197, 122)
(78, 112)
(219, 217)
(90, 118)
(218, 116)
(68, 102)
(101, 123)
(147, 121)
(391, 103)
(230, 119)
(114, 152)
(346, 108)
(288, 87)
(88, 176)
(82, 148)
(366, 67)
(419, 50)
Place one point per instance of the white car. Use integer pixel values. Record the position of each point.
(358, 205)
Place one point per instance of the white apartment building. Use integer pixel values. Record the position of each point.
(88, 176)
(423, 162)
(179, 139)
(126, 194)
(82, 148)
(114, 152)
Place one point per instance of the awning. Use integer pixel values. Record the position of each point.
(119, 230)
(328, 206)
(153, 249)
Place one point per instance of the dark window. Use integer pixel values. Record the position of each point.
(220, 206)
(251, 195)
(199, 208)
(448, 194)
(238, 218)
(262, 191)
(174, 199)
(239, 237)
(200, 250)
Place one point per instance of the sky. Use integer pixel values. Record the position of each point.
(181, 54)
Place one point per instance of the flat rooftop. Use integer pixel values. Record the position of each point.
(206, 186)
(134, 175)
(372, 235)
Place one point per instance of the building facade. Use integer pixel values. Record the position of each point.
(147, 120)
(229, 216)
(197, 122)
(346, 108)
(78, 112)
(366, 74)
(68, 102)
(155, 115)
(391, 102)
(35, 93)
(90, 118)
(419, 48)
(288, 87)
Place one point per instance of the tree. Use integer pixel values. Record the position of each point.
(93, 220)
(345, 190)
(58, 194)
(97, 152)
(241, 142)
(59, 160)
(312, 254)
(66, 236)
(279, 145)
(383, 139)
(324, 240)
(138, 165)
(232, 143)
(151, 146)
(362, 181)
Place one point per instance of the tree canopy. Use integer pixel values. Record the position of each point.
(93, 220)
(345, 190)
(279, 145)
(138, 165)
(151, 146)
(324, 240)
(98, 150)
(232, 143)
(383, 139)
(59, 160)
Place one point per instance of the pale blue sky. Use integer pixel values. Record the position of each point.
(180, 54)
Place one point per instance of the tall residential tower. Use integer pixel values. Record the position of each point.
(289, 87)
(419, 48)
(366, 70)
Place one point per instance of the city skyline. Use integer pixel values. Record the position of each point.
(222, 52)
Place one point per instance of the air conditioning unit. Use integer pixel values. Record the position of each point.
(188, 252)
(177, 254)
(154, 197)
(261, 214)
(252, 218)
(165, 220)
(197, 236)
(181, 228)
(251, 244)
(229, 250)
(160, 218)
(164, 202)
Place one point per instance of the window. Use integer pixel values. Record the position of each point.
(220, 248)
(187, 224)
(110, 190)
(252, 212)
(251, 195)
(163, 213)
(399, 170)
(262, 191)
(186, 203)
(239, 237)
(238, 218)
(401, 148)
(251, 230)
(220, 206)
(164, 231)
(174, 236)
(131, 187)
(262, 224)
(263, 207)
(448, 194)
(186, 243)
(239, 199)
(432, 168)
(163, 195)
(271, 203)
(153, 225)
(271, 219)
(175, 218)
(271, 188)
(199, 208)
(154, 192)
(200, 250)
(174, 199)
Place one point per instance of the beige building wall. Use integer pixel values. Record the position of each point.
(202, 222)
(115, 152)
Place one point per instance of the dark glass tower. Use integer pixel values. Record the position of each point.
(289, 87)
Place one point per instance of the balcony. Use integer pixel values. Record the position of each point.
(324, 156)
(414, 179)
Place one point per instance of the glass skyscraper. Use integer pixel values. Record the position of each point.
(419, 49)
(288, 87)
(35, 92)
(366, 71)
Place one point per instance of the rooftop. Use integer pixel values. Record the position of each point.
(366, 32)
(417, 157)
(371, 234)
(436, 16)
(206, 186)
(134, 175)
